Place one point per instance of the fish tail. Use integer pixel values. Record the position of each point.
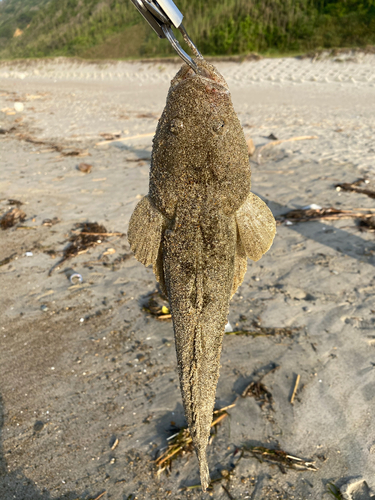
(203, 469)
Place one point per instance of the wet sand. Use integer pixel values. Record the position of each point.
(82, 365)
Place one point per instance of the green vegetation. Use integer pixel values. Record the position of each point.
(334, 491)
(114, 28)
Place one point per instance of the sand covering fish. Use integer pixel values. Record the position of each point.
(197, 226)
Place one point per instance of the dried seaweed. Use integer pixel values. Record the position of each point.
(91, 234)
(15, 202)
(281, 458)
(259, 391)
(54, 147)
(367, 224)
(11, 218)
(331, 213)
(182, 442)
(264, 331)
(355, 187)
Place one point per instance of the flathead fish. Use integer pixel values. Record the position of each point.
(196, 227)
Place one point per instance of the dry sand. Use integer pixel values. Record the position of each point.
(84, 365)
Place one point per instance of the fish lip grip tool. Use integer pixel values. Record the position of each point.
(161, 15)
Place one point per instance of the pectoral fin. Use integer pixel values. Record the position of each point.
(256, 225)
(145, 232)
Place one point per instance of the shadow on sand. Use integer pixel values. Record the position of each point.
(328, 235)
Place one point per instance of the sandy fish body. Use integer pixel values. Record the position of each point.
(196, 227)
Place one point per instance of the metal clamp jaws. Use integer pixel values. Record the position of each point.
(161, 15)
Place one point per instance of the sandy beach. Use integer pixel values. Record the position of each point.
(89, 390)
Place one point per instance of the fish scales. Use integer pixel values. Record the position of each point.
(196, 227)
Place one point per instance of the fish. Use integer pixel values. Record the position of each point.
(197, 226)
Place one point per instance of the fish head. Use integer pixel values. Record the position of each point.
(199, 139)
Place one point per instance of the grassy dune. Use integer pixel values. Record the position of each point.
(114, 29)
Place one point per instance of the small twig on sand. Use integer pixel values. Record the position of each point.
(100, 496)
(102, 143)
(102, 234)
(227, 492)
(295, 389)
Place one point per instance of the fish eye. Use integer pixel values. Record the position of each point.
(176, 126)
(218, 126)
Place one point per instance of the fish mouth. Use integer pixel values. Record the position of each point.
(207, 73)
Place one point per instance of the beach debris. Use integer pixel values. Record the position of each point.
(75, 152)
(139, 159)
(110, 136)
(4, 131)
(313, 206)
(11, 201)
(84, 236)
(228, 327)
(334, 491)
(355, 187)
(259, 391)
(227, 492)
(295, 389)
(6, 261)
(155, 305)
(271, 137)
(115, 444)
(281, 458)
(109, 251)
(264, 331)
(8, 111)
(53, 147)
(11, 218)
(260, 150)
(330, 213)
(123, 139)
(19, 107)
(99, 496)
(250, 146)
(73, 276)
(181, 442)
(50, 222)
(84, 167)
(29, 254)
(367, 224)
(26, 228)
